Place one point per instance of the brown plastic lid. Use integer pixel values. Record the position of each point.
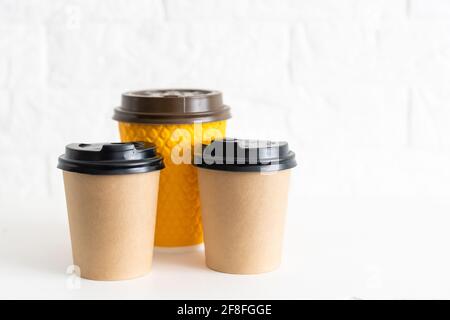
(172, 106)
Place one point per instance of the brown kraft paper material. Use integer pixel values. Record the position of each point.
(112, 223)
(243, 216)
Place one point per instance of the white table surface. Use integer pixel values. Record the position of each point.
(338, 248)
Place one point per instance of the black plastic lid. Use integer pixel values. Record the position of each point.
(110, 158)
(245, 155)
(172, 106)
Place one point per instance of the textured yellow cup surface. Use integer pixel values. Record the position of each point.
(178, 221)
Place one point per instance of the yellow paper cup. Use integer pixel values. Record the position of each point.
(176, 121)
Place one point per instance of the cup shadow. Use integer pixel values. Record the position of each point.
(186, 260)
(35, 245)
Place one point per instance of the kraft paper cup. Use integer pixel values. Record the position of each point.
(244, 204)
(111, 194)
(174, 119)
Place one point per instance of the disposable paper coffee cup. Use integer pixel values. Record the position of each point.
(111, 194)
(244, 192)
(174, 119)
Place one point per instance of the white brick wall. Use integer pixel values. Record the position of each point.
(360, 88)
